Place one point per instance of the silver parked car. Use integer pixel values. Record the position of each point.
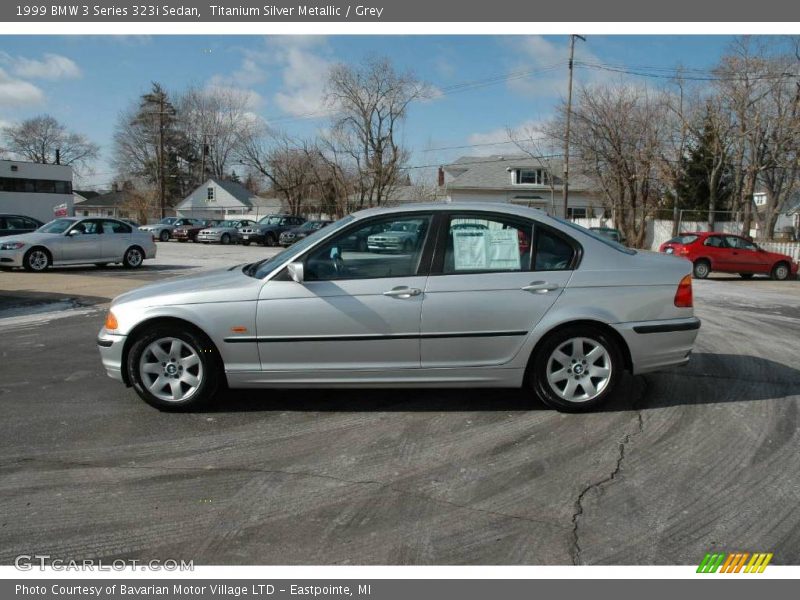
(225, 232)
(492, 296)
(74, 241)
(161, 230)
(402, 236)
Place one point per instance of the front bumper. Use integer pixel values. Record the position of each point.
(657, 345)
(390, 245)
(12, 258)
(111, 346)
(255, 237)
(214, 237)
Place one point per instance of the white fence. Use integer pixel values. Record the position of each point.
(790, 248)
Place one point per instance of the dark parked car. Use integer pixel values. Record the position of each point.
(15, 224)
(268, 230)
(188, 232)
(298, 233)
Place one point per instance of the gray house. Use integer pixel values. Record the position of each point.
(518, 179)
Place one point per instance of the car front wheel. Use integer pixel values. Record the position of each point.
(164, 236)
(36, 259)
(576, 369)
(780, 272)
(173, 369)
(225, 239)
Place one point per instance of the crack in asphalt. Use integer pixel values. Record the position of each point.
(381, 485)
(575, 553)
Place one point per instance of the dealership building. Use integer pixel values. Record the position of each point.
(34, 189)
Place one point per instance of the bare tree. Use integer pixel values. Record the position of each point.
(40, 139)
(283, 161)
(214, 121)
(618, 136)
(534, 143)
(370, 102)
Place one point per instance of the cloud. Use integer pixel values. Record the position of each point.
(543, 69)
(16, 92)
(304, 69)
(50, 66)
(497, 141)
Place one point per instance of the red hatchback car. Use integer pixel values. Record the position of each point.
(728, 253)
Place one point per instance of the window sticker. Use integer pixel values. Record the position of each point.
(486, 250)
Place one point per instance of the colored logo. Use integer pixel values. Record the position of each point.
(735, 562)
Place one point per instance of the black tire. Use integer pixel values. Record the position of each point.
(270, 240)
(210, 367)
(37, 259)
(701, 269)
(362, 245)
(408, 247)
(133, 258)
(746, 275)
(541, 362)
(245, 242)
(781, 272)
(164, 235)
(225, 239)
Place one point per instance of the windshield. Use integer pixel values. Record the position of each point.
(597, 236)
(167, 220)
(261, 269)
(271, 220)
(56, 226)
(233, 224)
(308, 225)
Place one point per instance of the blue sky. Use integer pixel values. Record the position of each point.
(85, 81)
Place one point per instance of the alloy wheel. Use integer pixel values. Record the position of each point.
(171, 369)
(579, 369)
(38, 260)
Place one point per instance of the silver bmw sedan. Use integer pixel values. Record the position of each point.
(489, 295)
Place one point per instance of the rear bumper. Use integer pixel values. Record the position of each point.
(110, 347)
(656, 345)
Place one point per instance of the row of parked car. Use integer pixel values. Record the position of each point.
(271, 230)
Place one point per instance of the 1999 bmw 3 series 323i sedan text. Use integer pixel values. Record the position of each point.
(483, 295)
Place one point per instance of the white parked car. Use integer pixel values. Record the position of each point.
(74, 241)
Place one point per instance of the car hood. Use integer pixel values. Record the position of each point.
(393, 234)
(33, 237)
(219, 285)
(155, 226)
(218, 229)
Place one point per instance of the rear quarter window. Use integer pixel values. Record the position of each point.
(683, 239)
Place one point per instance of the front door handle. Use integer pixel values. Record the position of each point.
(403, 292)
(539, 287)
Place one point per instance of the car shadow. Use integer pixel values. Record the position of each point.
(708, 379)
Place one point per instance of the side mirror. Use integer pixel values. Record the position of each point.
(295, 270)
(74, 232)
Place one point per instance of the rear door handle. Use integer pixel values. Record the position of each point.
(403, 292)
(540, 287)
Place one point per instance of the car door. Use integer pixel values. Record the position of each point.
(719, 253)
(83, 242)
(494, 277)
(747, 258)
(355, 309)
(116, 239)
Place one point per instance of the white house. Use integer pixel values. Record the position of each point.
(217, 199)
(34, 189)
(519, 179)
(788, 223)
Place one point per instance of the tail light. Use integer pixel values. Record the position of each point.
(683, 297)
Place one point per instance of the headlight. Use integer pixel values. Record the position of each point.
(11, 245)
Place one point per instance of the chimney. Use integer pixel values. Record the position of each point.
(441, 177)
(58, 156)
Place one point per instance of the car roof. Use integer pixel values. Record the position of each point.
(495, 207)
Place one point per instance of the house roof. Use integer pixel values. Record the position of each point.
(238, 191)
(109, 200)
(491, 172)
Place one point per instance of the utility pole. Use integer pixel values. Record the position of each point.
(161, 181)
(565, 185)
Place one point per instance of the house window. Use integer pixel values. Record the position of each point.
(576, 212)
(210, 194)
(529, 177)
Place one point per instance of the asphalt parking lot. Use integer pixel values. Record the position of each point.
(693, 460)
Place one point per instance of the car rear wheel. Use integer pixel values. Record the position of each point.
(701, 269)
(36, 260)
(780, 272)
(576, 369)
(225, 239)
(164, 235)
(134, 256)
(746, 275)
(173, 369)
